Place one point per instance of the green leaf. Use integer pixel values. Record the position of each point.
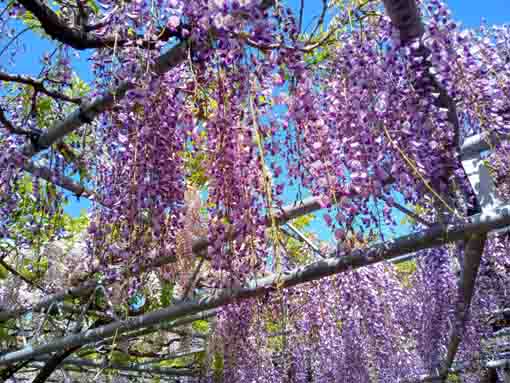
(217, 366)
(31, 21)
(34, 269)
(79, 88)
(303, 221)
(3, 333)
(201, 326)
(405, 270)
(177, 362)
(119, 357)
(195, 166)
(166, 294)
(93, 5)
(3, 272)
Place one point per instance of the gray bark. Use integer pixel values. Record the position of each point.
(405, 16)
(338, 263)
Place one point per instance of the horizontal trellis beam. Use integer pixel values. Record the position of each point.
(83, 290)
(481, 142)
(501, 333)
(164, 371)
(464, 367)
(167, 326)
(281, 216)
(500, 363)
(338, 263)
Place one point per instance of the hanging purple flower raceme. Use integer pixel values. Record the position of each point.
(369, 124)
(240, 189)
(434, 287)
(10, 173)
(142, 176)
(143, 167)
(340, 329)
(239, 342)
(237, 207)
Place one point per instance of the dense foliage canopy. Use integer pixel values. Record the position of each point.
(195, 135)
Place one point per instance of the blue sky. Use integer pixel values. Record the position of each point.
(468, 12)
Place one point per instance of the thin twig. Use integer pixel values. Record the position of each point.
(20, 276)
(406, 211)
(301, 10)
(38, 86)
(14, 39)
(320, 22)
(193, 279)
(8, 125)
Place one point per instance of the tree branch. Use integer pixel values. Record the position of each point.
(164, 371)
(472, 255)
(405, 16)
(80, 36)
(59, 180)
(320, 22)
(87, 113)
(52, 364)
(8, 125)
(38, 86)
(57, 29)
(336, 263)
(20, 276)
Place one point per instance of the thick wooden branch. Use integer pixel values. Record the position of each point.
(83, 115)
(473, 251)
(59, 30)
(81, 37)
(52, 364)
(337, 263)
(87, 113)
(405, 16)
(164, 371)
(62, 181)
